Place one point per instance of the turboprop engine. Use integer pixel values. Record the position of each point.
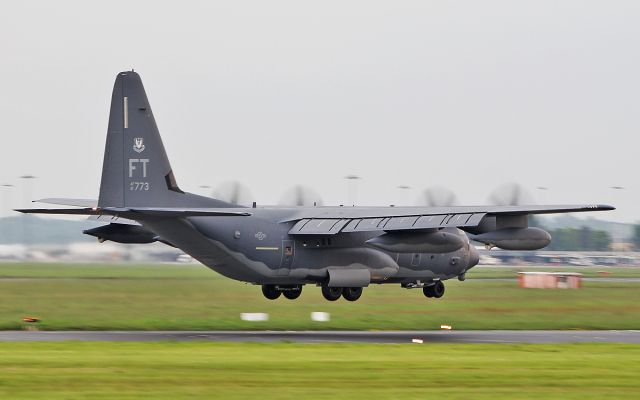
(514, 238)
(444, 240)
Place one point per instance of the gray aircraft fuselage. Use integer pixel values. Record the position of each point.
(258, 249)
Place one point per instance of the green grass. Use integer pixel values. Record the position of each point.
(191, 297)
(199, 370)
(104, 271)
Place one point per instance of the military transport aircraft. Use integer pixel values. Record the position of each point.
(341, 249)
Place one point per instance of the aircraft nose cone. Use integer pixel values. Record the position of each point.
(474, 257)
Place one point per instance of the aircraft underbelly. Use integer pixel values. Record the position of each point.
(315, 263)
(212, 254)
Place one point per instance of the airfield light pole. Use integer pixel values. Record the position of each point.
(27, 190)
(205, 189)
(404, 189)
(620, 245)
(541, 199)
(6, 206)
(543, 194)
(352, 188)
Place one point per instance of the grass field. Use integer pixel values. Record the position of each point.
(100, 370)
(191, 297)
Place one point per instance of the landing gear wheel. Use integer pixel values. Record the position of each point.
(351, 293)
(270, 292)
(293, 293)
(438, 289)
(331, 293)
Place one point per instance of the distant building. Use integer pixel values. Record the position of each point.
(622, 246)
(550, 280)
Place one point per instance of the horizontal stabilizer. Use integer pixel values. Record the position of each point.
(173, 212)
(121, 233)
(112, 220)
(132, 213)
(87, 203)
(60, 211)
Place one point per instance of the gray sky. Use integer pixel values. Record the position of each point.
(464, 94)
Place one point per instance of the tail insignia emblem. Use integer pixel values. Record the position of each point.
(138, 145)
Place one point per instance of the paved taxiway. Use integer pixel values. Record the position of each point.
(629, 336)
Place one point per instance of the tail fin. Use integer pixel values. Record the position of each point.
(136, 171)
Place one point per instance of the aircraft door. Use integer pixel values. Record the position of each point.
(288, 249)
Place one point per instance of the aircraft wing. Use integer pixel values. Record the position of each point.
(333, 220)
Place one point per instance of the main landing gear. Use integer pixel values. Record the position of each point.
(331, 293)
(352, 293)
(436, 290)
(334, 293)
(272, 292)
(292, 292)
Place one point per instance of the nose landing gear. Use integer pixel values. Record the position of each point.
(436, 290)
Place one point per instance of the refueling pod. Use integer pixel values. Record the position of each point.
(514, 238)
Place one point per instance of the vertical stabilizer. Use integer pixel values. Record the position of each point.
(136, 171)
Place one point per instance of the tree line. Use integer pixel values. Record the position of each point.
(576, 239)
(583, 239)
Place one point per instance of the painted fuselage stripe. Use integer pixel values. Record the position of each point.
(125, 104)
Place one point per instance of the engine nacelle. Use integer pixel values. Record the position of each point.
(515, 238)
(441, 241)
(122, 233)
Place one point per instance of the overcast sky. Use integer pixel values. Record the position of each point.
(465, 94)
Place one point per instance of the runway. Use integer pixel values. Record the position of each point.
(628, 336)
